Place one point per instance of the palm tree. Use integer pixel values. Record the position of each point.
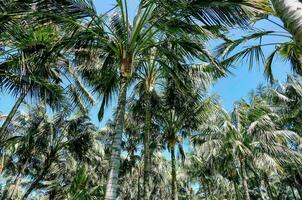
(253, 51)
(286, 98)
(158, 48)
(119, 64)
(249, 137)
(27, 70)
(34, 65)
(26, 46)
(290, 14)
(78, 132)
(148, 77)
(42, 143)
(150, 81)
(146, 99)
(181, 113)
(120, 56)
(120, 46)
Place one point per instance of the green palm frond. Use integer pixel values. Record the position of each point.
(222, 13)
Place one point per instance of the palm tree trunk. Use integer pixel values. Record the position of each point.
(11, 115)
(147, 147)
(174, 181)
(112, 181)
(244, 180)
(290, 12)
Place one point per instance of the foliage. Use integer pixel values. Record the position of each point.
(170, 139)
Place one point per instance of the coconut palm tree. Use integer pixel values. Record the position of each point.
(79, 132)
(150, 81)
(40, 11)
(42, 143)
(290, 14)
(34, 64)
(287, 100)
(253, 139)
(251, 48)
(180, 115)
(121, 46)
(120, 51)
(122, 66)
(148, 78)
(287, 43)
(26, 46)
(118, 46)
(27, 70)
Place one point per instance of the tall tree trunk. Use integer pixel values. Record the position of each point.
(11, 115)
(112, 181)
(290, 12)
(147, 146)
(244, 180)
(174, 181)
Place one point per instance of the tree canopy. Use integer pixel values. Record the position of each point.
(170, 136)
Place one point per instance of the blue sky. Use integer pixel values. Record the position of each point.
(230, 89)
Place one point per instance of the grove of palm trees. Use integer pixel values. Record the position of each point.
(121, 103)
